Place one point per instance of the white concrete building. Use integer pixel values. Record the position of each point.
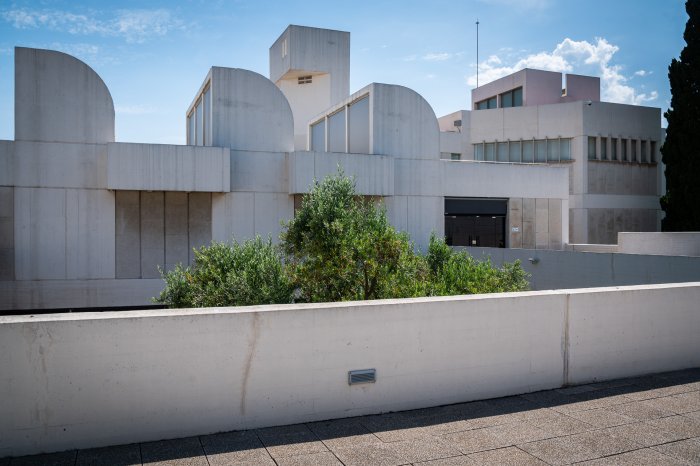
(611, 150)
(86, 221)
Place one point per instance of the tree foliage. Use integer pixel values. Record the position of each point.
(338, 247)
(681, 150)
(228, 274)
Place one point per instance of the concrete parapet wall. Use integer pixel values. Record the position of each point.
(373, 174)
(554, 270)
(84, 380)
(672, 244)
(161, 167)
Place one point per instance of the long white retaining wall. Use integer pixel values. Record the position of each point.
(94, 379)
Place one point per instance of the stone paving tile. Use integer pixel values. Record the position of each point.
(292, 444)
(549, 399)
(378, 454)
(419, 450)
(342, 433)
(179, 452)
(694, 415)
(393, 427)
(453, 461)
(680, 425)
(517, 432)
(233, 448)
(603, 443)
(510, 456)
(684, 450)
(641, 410)
(122, 455)
(603, 398)
(644, 434)
(643, 457)
(472, 441)
(562, 425)
(324, 458)
(602, 417)
(65, 458)
(559, 450)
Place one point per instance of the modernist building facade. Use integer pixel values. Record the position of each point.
(611, 150)
(86, 221)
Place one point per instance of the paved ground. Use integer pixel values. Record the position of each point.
(652, 420)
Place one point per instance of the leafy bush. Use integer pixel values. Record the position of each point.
(228, 275)
(454, 273)
(341, 247)
(338, 247)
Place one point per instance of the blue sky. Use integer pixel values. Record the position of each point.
(153, 56)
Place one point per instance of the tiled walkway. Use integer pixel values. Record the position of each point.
(652, 420)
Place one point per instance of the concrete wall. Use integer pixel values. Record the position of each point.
(86, 380)
(570, 269)
(373, 174)
(668, 244)
(403, 123)
(161, 167)
(159, 229)
(58, 98)
(249, 112)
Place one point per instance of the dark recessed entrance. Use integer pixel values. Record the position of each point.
(476, 222)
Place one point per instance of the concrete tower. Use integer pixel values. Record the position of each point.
(312, 68)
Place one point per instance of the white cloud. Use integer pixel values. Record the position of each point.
(440, 56)
(572, 56)
(132, 25)
(643, 73)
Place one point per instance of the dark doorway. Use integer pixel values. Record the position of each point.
(475, 222)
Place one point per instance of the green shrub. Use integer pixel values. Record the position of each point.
(455, 273)
(226, 274)
(340, 246)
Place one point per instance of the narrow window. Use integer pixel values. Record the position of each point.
(518, 97)
(358, 126)
(502, 152)
(507, 100)
(492, 102)
(489, 152)
(207, 117)
(336, 131)
(478, 152)
(613, 149)
(455, 156)
(318, 136)
(603, 148)
(514, 151)
(645, 156)
(552, 150)
(540, 151)
(565, 149)
(528, 152)
(304, 80)
(652, 150)
(591, 148)
(200, 120)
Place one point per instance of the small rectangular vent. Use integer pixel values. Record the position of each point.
(362, 376)
(304, 79)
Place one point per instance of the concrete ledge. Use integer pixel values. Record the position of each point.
(161, 167)
(86, 380)
(65, 294)
(374, 174)
(664, 244)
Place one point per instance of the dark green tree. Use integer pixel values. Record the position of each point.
(681, 151)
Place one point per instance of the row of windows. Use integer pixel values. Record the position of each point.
(346, 130)
(524, 151)
(199, 120)
(513, 98)
(622, 150)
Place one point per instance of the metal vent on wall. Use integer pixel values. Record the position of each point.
(362, 376)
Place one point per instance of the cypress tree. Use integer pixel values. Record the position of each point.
(681, 150)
